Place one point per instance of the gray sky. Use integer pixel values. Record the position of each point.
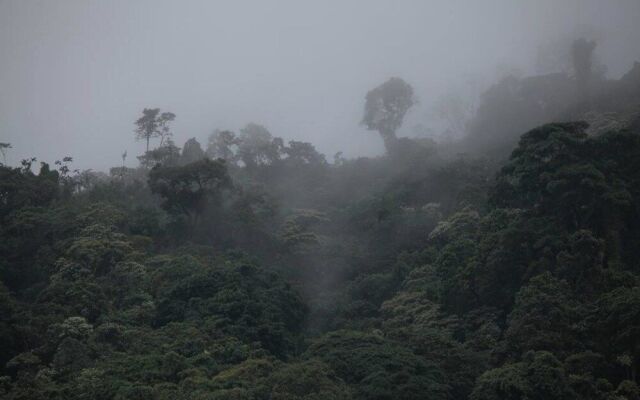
(75, 74)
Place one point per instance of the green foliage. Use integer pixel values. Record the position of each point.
(167, 155)
(240, 300)
(584, 182)
(378, 368)
(617, 319)
(308, 380)
(20, 188)
(190, 189)
(539, 376)
(544, 317)
(98, 248)
(297, 232)
(271, 274)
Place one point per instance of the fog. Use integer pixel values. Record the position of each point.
(75, 75)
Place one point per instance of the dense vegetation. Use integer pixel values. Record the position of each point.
(255, 269)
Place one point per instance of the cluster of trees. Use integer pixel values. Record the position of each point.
(255, 269)
(255, 146)
(515, 104)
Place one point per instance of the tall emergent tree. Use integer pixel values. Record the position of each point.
(4, 146)
(582, 60)
(163, 125)
(385, 108)
(154, 124)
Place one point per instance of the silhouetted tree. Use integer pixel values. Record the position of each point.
(582, 60)
(153, 124)
(303, 152)
(164, 130)
(191, 152)
(167, 155)
(223, 144)
(258, 146)
(3, 147)
(385, 108)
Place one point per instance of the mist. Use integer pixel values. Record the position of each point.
(76, 74)
(346, 200)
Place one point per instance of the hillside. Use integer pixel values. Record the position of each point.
(255, 269)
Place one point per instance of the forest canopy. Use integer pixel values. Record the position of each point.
(501, 263)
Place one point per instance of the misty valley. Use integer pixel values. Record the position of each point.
(492, 255)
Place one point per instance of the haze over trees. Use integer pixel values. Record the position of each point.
(3, 149)
(153, 124)
(385, 108)
(500, 264)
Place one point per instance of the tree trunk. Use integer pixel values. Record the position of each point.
(390, 140)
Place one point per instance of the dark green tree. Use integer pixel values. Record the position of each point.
(618, 323)
(545, 317)
(379, 368)
(385, 108)
(192, 188)
(539, 376)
